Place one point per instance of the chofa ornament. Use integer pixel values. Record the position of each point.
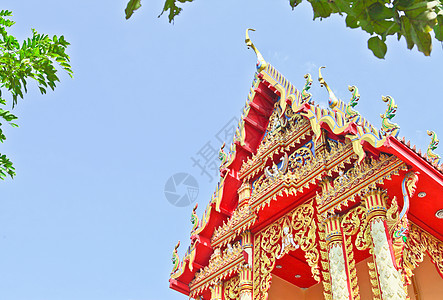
(432, 146)
(194, 218)
(352, 114)
(388, 127)
(261, 63)
(306, 97)
(175, 258)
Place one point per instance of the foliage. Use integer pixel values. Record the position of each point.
(132, 6)
(412, 19)
(36, 59)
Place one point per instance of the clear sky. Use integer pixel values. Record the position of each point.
(86, 218)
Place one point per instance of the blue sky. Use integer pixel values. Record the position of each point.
(86, 217)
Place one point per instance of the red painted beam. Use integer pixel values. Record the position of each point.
(394, 146)
(179, 286)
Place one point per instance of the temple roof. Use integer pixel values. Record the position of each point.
(272, 96)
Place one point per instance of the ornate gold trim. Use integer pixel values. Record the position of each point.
(375, 285)
(295, 228)
(418, 243)
(357, 181)
(222, 264)
(231, 288)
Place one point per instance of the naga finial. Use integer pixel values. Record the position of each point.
(398, 222)
(175, 259)
(261, 63)
(194, 218)
(333, 101)
(222, 155)
(389, 127)
(432, 146)
(355, 95)
(350, 112)
(306, 97)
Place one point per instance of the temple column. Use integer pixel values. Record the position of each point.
(337, 267)
(246, 270)
(217, 291)
(389, 277)
(245, 286)
(244, 194)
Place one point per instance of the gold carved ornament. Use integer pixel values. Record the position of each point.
(231, 288)
(324, 261)
(359, 180)
(418, 243)
(280, 136)
(272, 243)
(355, 223)
(222, 264)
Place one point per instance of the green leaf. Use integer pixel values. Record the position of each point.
(35, 58)
(406, 31)
(385, 28)
(132, 6)
(422, 39)
(321, 8)
(294, 3)
(378, 11)
(377, 46)
(351, 22)
(438, 28)
(174, 10)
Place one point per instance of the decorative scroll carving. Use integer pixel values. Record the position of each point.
(241, 219)
(352, 271)
(375, 286)
(281, 135)
(269, 243)
(269, 248)
(294, 180)
(359, 180)
(221, 265)
(356, 222)
(324, 260)
(257, 271)
(231, 288)
(418, 243)
(300, 158)
(304, 169)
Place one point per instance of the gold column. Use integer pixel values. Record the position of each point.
(246, 282)
(244, 193)
(217, 291)
(389, 278)
(246, 270)
(340, 282)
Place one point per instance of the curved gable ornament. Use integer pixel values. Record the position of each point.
(261, 63)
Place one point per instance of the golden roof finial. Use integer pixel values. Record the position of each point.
(333, 101)
(261, 63)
